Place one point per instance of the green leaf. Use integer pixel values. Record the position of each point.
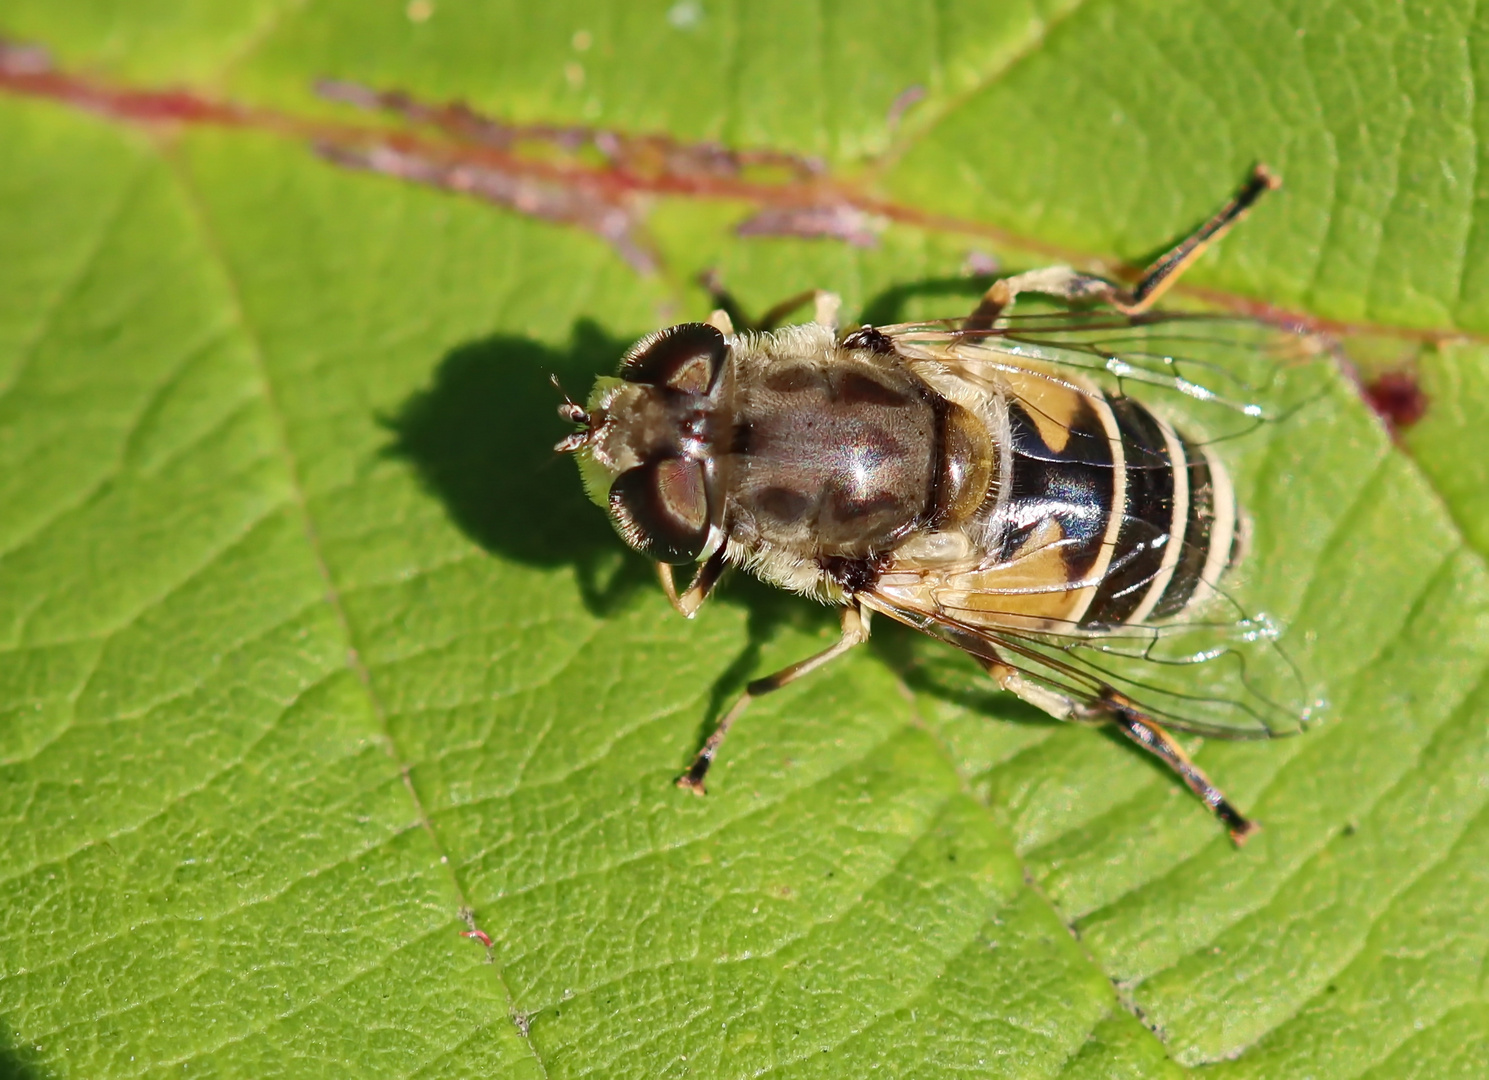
(313, 658)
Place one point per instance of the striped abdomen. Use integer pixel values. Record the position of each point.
(1179, 529)
(1101, 515)
(1136, 520)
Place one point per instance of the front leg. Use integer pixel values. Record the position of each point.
(699, 589)
(855, 631)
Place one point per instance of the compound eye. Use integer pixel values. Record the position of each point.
(686, 357)
(661, 509)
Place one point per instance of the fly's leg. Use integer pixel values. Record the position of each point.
(855, 632)
(1068, 284)
(698, 589)
(1146, 732)
(1060, 281)
(1166, 270)
(1132, 722)
(824, 308)
(727, 313)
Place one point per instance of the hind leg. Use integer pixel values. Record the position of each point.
(1068, 284)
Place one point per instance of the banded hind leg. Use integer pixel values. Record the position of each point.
(1068, 284)
(855, 631)
(1136, 725)
(1146, 732)
(699, 589)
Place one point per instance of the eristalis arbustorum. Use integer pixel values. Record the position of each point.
(973, 479)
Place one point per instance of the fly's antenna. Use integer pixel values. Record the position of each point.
(574, 414)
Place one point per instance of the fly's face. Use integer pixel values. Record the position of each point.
(645, 448)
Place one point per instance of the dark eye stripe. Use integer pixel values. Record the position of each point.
(686, 357)
(661, 509)
(680, 495)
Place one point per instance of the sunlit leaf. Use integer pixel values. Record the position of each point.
(316, 665)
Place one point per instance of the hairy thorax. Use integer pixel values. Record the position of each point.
(838, 453)
(828, 459)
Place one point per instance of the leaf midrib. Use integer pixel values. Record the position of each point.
(288, 126)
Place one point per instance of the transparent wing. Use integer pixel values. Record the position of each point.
(1222, 679)
(1217, 669)
(1241, 366)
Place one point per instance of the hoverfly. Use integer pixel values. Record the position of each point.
(977, 480)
